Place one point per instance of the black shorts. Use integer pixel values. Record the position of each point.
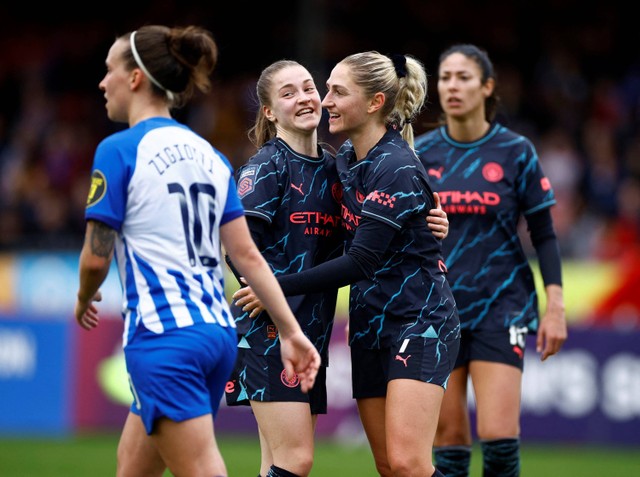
(424, 359)
(256, 377)
(501, 346)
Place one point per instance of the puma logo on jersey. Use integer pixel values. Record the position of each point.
(404, 360)
(442, 266)
(298, 188)
(436, 172)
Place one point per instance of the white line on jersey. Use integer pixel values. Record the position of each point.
(405, 343)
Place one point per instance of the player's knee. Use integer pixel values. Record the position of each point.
(406, 464)
(382, 467)
(304, 465)
(299, 463)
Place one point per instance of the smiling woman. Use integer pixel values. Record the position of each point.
(391, 252)
(58, 117)
(290, 192)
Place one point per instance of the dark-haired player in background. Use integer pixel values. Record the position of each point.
(487, 177)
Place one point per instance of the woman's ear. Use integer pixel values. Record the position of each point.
(488, 87)
(266, 110)
(376, 102)
(135, 79)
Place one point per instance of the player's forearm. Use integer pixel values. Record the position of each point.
(95, 258)
(555, 299)
(262, 281)
(93, 271)
(252, 266)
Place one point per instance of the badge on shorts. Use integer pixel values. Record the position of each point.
(97, 189)
(247, 180)
(290, 383)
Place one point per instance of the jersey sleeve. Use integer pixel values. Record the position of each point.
(110, 176)
(534, 188)
(396, 192)
(233, 207)
(260, 184)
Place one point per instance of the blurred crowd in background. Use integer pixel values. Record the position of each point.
(568, 77)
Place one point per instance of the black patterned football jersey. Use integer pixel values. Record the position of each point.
(486, 187)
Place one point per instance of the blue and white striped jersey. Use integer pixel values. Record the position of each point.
(485, 187)
(166, 191)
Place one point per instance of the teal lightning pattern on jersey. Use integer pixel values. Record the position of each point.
(485, 187)
(299, 196)
(409, 295)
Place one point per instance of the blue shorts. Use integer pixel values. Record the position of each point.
(257, 377)
(424, 359)
(497, 346)
(180, 374)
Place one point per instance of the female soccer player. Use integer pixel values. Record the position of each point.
(488, 177)
(403, 322)
(161, 200)
(291, 193)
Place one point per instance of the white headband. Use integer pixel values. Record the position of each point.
(136, 57)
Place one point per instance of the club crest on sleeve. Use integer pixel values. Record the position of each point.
(247, 180)
(97, 189)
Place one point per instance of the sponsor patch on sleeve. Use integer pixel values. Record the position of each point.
(247, 180)
(97, 188)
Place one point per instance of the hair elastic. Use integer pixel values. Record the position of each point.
(136, 57)
(400, 64)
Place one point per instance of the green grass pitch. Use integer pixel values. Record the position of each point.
(94, 455)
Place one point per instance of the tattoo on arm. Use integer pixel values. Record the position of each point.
(102, 240)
